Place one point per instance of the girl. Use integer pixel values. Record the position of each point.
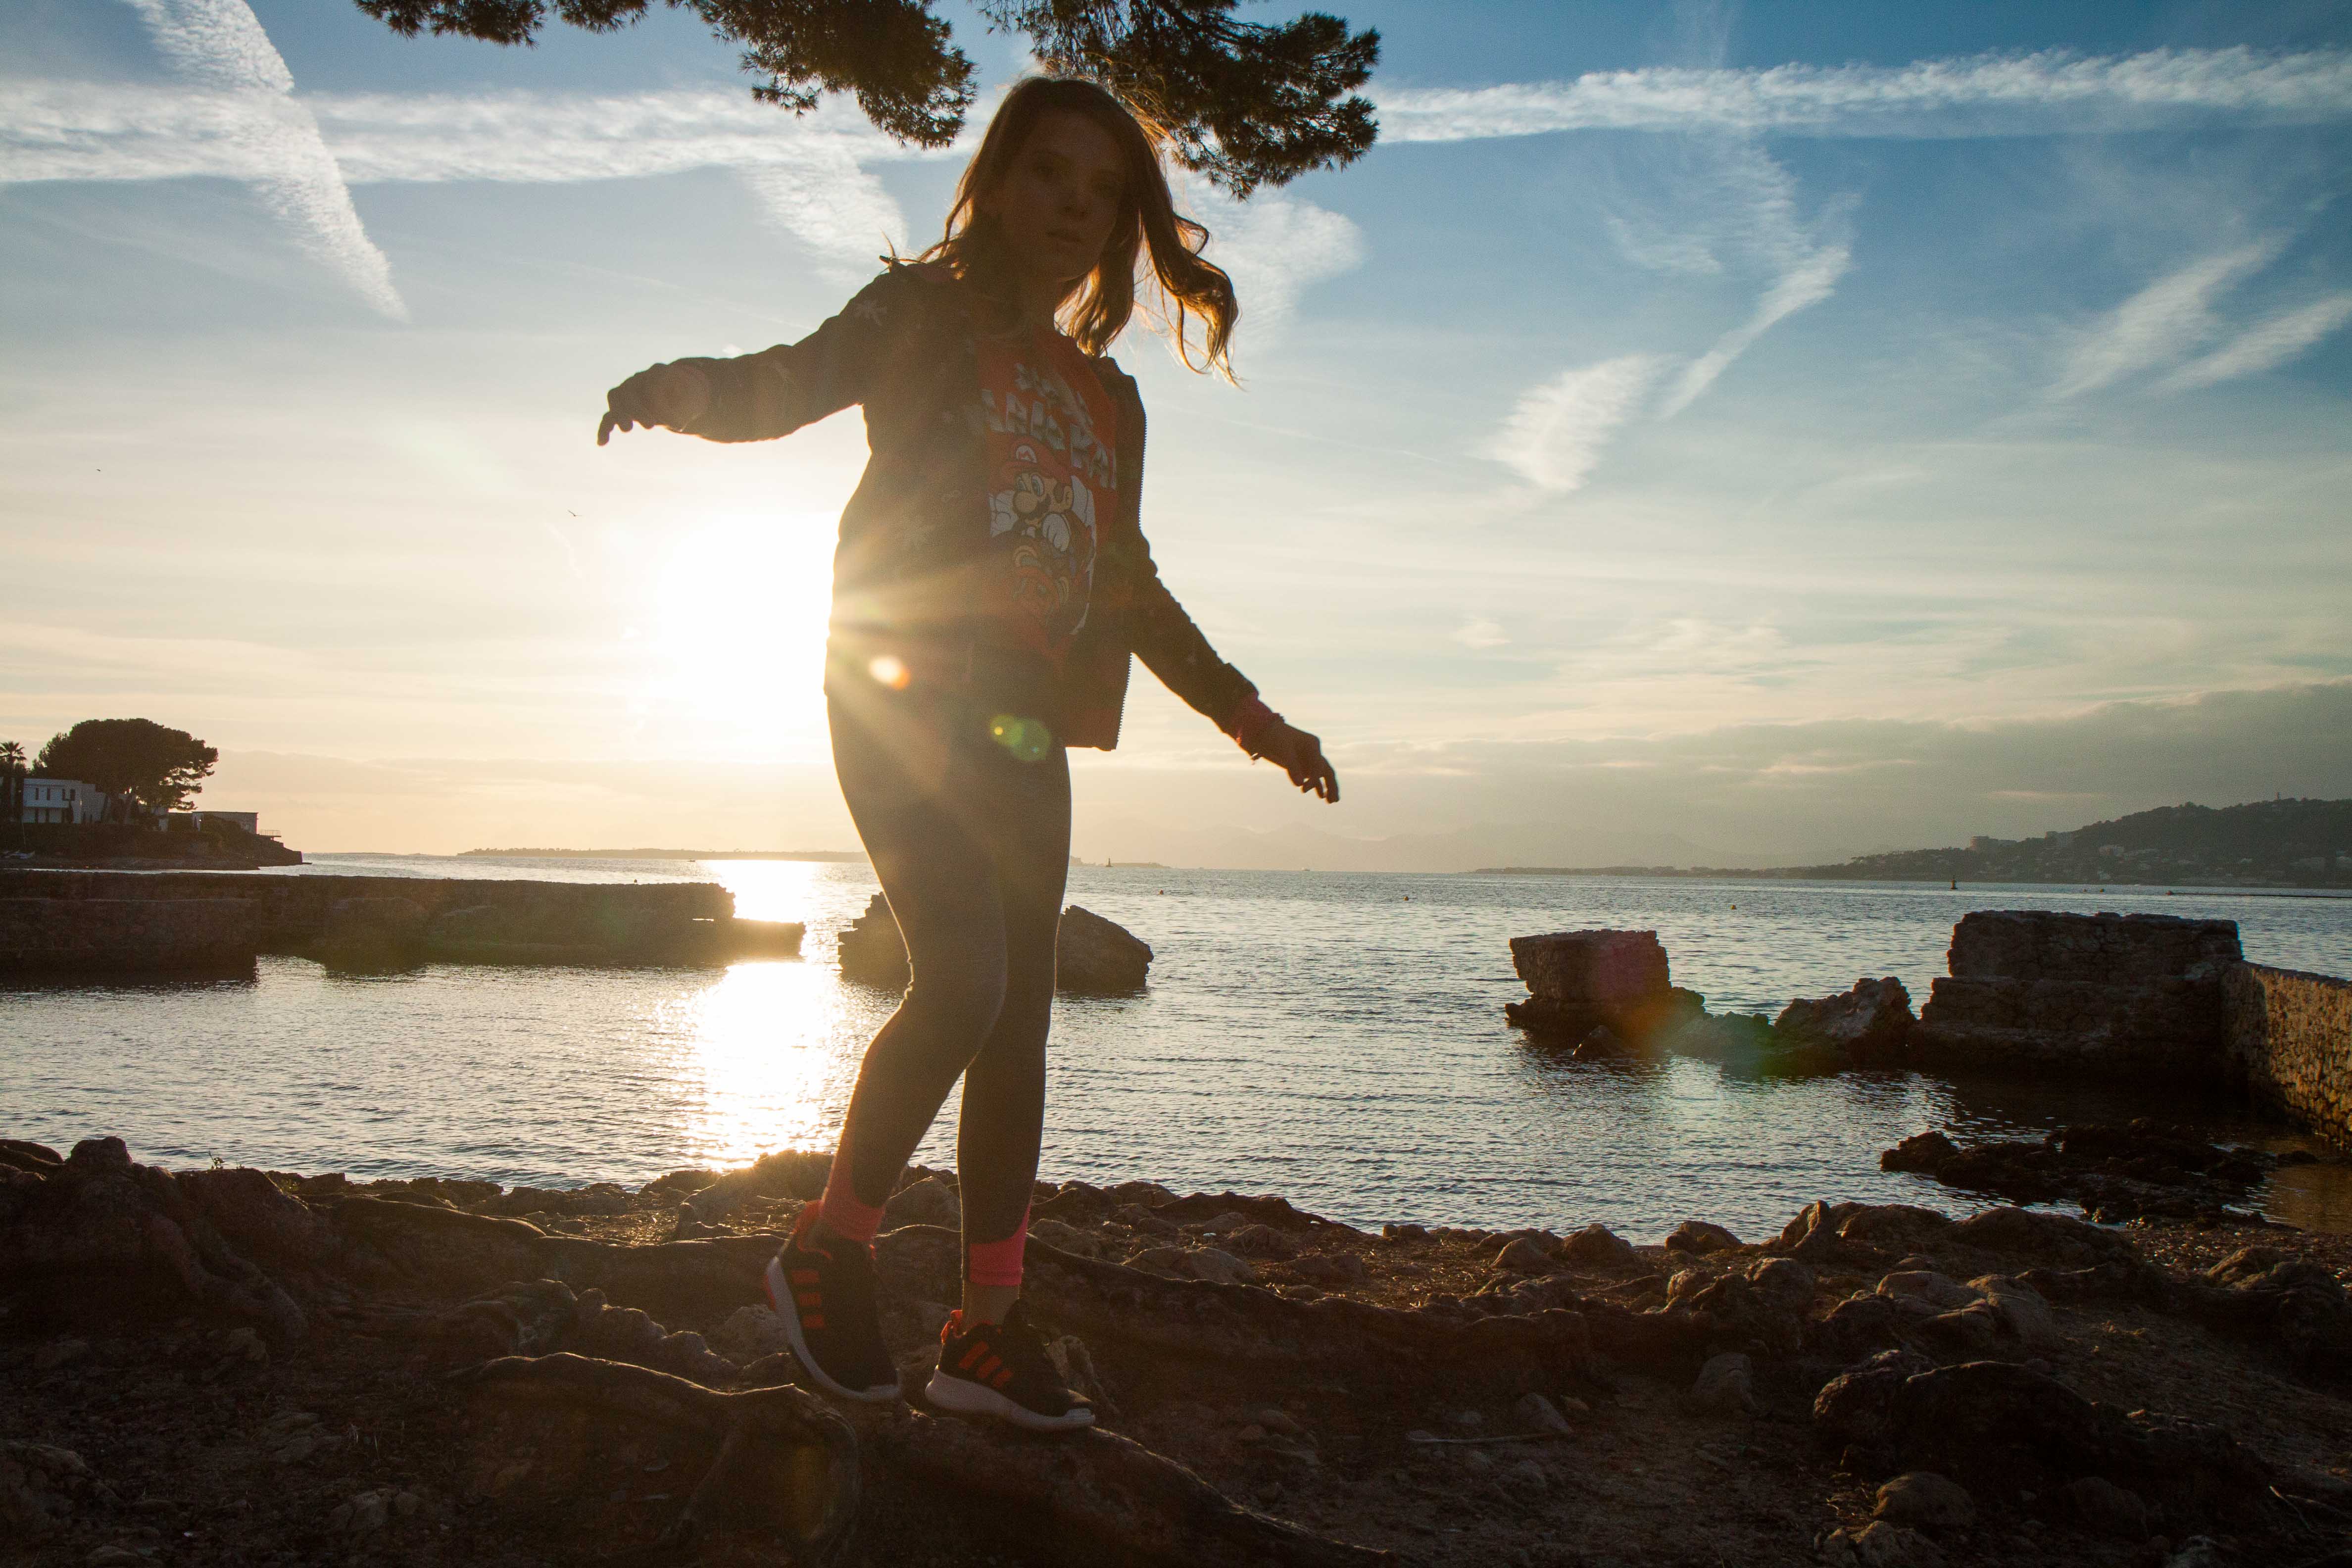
(990, 584)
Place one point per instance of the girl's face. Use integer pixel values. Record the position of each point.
(1056, 206)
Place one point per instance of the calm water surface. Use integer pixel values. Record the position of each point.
(1337, 1038)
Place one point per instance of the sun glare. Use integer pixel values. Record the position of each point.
(759, 1042)
(739, 619)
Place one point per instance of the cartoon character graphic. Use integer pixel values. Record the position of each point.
(1040, 508)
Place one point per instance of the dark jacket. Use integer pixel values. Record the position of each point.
(914, 536)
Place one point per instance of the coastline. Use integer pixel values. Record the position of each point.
(1275, 1386)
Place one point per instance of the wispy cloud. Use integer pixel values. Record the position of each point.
(2163, 321)
(1481, 632)
(1557, 434)
(832, 204)
(250, 105)
(1275, 246)
(1986, 95)
(2265, 344)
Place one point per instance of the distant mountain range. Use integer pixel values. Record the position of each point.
(2262, 844)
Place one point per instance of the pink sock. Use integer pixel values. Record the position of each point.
(840, 1209)
(997, 1262)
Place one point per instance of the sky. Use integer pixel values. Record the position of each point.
(1692, 435)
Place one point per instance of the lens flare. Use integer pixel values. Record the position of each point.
(890, 670)
(1027, 739)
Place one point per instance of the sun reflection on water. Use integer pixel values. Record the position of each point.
(758, 1046)
(766, 1046)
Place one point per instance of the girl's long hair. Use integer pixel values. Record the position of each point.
(1096, 310)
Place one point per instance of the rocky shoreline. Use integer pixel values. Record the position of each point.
(236, 1367)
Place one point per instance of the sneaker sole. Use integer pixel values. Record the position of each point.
(965, 1397)
(779, 1300)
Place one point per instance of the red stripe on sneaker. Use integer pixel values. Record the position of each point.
(970, 1355)
(811, 1320)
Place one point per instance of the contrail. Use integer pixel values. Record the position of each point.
(1987, 95)
(220, 43)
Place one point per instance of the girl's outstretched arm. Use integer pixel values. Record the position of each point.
(758, 397)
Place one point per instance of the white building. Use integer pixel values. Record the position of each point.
(62, 800)
(249, 820)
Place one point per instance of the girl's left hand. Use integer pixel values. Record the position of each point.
(1301, 756)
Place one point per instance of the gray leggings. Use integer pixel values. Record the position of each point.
(972, 844)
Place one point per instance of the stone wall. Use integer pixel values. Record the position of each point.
(135, 936)
(2080, 993)
(457, 919)
(2290, 1041)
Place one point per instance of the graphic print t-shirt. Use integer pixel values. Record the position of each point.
(1052, 471)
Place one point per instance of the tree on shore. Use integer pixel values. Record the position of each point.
(131, 760)
(1245, 103)
(12, 780)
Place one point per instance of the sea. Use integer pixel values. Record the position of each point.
(1336, 1039)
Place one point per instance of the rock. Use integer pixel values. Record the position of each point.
(749, 1334)
(1598, 1247)
(2081, 994)
(1786, 1282)
(1330, 1268)
(1066, 1238)
(1524, 1257)
(55, 1353)
(1868, 1024)
(1405, 1233)
(1098, 957)
(1927, 1294)
(870, 950)
(1602, 1043)
(1922, 1499)
(117, 1557)
(1879, 1544)
(1725, 1387)
(2107, 1509)
(378, 935)
(1218, 1267)
(1594, 967)
(1541, 1415)
(2198, 1552)
(1697, 1236)
(1092, 955)
(1467, 1420)
(1819, 1229)
(1962, 1335)
(1582, 979)
(927, 1201)
(37, 1484)
(2025, 1315)
(1526, 1476)
(1924, 1152)
(2146, 1168)
(1142, 1195)
(1169, 1262)
(1260, 1241)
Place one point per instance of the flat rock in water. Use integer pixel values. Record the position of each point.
(1092, 956)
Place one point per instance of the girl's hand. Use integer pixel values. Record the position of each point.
(1301, 756)
(671, 397)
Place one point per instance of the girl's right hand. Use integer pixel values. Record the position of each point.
(671, 397)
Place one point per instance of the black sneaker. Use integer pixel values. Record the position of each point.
(1001, 1370)
(823, 1288)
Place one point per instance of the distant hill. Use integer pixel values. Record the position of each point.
(2262, 844)
(672, 854)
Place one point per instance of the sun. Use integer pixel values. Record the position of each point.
(738, 618)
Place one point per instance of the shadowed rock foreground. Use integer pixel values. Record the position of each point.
(236, 1367)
